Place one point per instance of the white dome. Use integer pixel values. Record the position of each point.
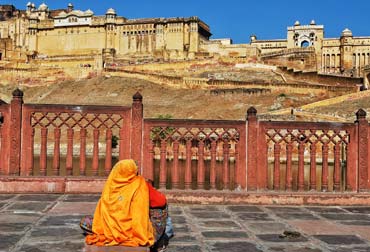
(43, 7)
(297, 23)
(89, 12)
(29, 4)
(346, 32)
(313, 22)
(111, 11)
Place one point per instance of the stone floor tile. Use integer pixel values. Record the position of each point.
(181, 229)
(254, 217)
(223, 224)
(83, 208)
(173, 207)
(49, 234)
(326, 209)
(313, 227)
(361, 231)
(291, 248)
(224, 234)
(351, 249)
(2, 204)
(356, 223)
(178, 219)
(4, 197)
(296, 216)
(235, 247)
(204, 208)
(340, 239)
(339, 217)
(55, 247)
(362, 210)
(38, 197)
(266, 227)
(94, 198)
(183, 238)
(13, 227)
(8, 241)
(29, 207)
(184, 248)
(213, 215)
(61, 220)
(277, 238)
(202, 228)
(247, 209)
(285, 209)
(175, 212)
(7, 217)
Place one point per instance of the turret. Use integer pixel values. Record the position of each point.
(70, 7)
(43, 11)
(346, 33)
(110, 16)
(253, 38)
(346, 51)
(110, 26)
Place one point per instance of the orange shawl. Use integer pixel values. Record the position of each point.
(122, 214)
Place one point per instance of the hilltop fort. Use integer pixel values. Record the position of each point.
(41, 32)
(68, 34)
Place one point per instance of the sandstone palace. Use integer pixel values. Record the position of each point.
(65, 34)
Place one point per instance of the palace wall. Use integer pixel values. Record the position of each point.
(70, 41)
(41, 34)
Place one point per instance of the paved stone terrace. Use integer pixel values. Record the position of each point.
(49, 222)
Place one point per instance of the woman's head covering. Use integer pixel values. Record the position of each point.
(124, 172)
(122, 214)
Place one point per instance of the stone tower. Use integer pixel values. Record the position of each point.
(301, 36)
(346, 42)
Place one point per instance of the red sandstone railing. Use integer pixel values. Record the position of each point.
(60, 125)
(37, 139)
(71, 140)
(328, 156)
(4, 108)
(212, 153)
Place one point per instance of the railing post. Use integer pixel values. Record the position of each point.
(148, 154)
(2, 144)
(15, 133)
(363, 150)
(252, 133)
(137, 128)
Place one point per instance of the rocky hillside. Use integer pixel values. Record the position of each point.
(184, 102)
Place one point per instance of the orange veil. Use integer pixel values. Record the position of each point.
(122, 214)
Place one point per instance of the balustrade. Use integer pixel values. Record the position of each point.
(199, 155)
(310, 152)
(76, 137)
(67, 140)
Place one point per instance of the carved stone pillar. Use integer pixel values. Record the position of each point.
(15, 132)
(363, 150)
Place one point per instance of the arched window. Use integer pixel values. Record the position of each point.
(305, 43)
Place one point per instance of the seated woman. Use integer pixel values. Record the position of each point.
(160, 219)
(122, 214)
